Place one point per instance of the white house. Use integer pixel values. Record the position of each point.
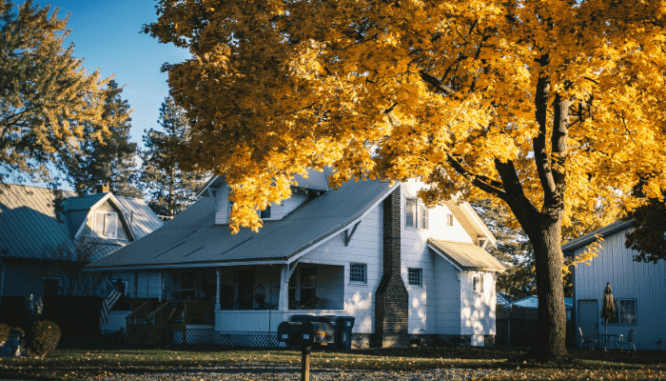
(365, 250)
(639, 289)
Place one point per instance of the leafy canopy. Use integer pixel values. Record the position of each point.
(46, 97)
(461, 94)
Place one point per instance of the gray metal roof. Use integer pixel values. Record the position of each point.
(142, 219)
(85, 202)
(192, 237)
(587, 239)
(29, 228)
(28, 225)
(467, 256)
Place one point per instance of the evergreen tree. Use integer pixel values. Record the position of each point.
(111, 161)
(171, 189)
(45, 94)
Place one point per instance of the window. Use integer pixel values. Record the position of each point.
(50, 286)
(106, 224)
(266, 213)
(358, 273)
(231, 205)
(625, 312)
(410, 213)
(308, 286)
(424, 217)
(449, 220)
(415, 277)
(478, 283)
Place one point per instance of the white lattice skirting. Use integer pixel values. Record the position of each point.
(249, 339)
(195, 335)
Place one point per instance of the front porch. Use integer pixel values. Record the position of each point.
(239, 305)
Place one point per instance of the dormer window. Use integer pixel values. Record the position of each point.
(266, 213)
(106, 224)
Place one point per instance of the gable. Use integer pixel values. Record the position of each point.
(105, 218)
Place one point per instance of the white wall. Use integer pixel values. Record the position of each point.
(366, 247)
(440, 293)
(477, 309)
(645, 282)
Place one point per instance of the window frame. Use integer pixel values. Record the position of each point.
(449, 219)
(411, 279)
(478, 280)
(424, 217)
(364, 266)
(115, 225)
(266, 213)
(415, 219)
(617, 319)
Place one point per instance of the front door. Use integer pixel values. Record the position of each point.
(245, 289)
(588, 316)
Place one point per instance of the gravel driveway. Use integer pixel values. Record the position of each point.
(281, 372)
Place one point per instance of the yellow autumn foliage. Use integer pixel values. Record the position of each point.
(442, 91)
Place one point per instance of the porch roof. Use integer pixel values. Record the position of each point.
(466, 256)
(193, 239)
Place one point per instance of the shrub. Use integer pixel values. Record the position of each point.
(42, 338)
(4, 332)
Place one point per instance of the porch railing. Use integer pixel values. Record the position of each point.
(195, 312)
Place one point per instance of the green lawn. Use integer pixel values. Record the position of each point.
(70, 364)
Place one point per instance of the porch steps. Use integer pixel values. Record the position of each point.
(146, 325)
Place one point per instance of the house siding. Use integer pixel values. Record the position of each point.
(23, 279)
(365, 247)
(644, 282)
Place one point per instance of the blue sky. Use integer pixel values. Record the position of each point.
(106, 35)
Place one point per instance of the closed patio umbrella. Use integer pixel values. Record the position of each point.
(608, 309)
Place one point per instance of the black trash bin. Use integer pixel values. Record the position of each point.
(336, 322)
(345, 329)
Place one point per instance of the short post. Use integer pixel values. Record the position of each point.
(305, 362)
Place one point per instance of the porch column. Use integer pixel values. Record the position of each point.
(217, 298)
(283, 303)
(161, 286)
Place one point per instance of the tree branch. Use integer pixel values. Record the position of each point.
(541, 158)
(436, 83)
(484, 183)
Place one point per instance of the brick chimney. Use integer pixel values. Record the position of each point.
(391, 299)
(101, 188)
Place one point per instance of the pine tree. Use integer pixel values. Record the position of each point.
(171, 189)
(111, 161)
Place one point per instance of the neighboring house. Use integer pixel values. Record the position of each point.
(533, 302)
(365, 250)
(35, 244)
(639, 289)
(503, 299)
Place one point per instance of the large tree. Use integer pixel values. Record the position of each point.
(111, 161)
(170, 188)
(553, 107)
(46, 97)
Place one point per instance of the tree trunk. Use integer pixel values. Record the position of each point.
(550, 343)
